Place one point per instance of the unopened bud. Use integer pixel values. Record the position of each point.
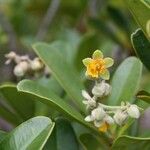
(101, 89)
(98, 113)
(21, 69)
(109, 119)
(133, 111)
(120, 117)
(37, 64)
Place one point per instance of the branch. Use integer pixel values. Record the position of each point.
(7, 27)
(47, 20)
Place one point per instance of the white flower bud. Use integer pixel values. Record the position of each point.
(21, 69)
(98, 113)
(120, 117)
(98, 123)
(101, 89)
(90, 104)
(37, 64)
(133, 111)
(89, 118)
(11, 55)
(109, 119)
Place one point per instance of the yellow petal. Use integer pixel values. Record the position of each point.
(97, 54)
(86, 61)
(105, 75)
(108, 62)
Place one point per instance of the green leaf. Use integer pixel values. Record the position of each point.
(22, 104)
(63, 137)
(144, 95)
(131, 143)
(30, 135)
(136, 7)
(45, 96)
(141, 46)
(125, 81)
(62, 71)
(90, 142)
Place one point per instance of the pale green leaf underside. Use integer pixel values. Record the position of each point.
(30, 135)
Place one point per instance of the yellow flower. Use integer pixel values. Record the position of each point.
(104, 127)
(97, 65)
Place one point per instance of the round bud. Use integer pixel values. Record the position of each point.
(101, 89)
(37, 64)
(133, 111)
(21, 69)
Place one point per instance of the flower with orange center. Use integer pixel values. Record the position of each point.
(97, 65)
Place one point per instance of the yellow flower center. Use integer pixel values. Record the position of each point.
(96, 67)
(104, 127)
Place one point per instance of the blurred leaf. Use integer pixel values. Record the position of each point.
(45, 96)
(63, 72)
(144, 95)
(141, 46)
(136, 7)
(63, 137)
(2, 135)
(22, 104)
(125, 81)
(90, 142)
(31, 135)
(119, 18)
(9, 116)
(131, 143)
(100, 25)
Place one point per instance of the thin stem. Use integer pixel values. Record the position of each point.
(112, 107)
(47, 20)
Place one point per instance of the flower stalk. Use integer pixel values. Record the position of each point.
(103, 116)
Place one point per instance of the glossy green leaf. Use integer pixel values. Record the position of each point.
(22, 104)
(131, 143)
(144, 95)
(90, 142)
(136, 7)
(51, 84)
(125, 81)
(30, 135)
(63, 137)
(142, 47)
(62, 71)
(49, 98)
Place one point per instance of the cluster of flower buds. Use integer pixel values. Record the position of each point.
(104, 115)
(24, 65)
